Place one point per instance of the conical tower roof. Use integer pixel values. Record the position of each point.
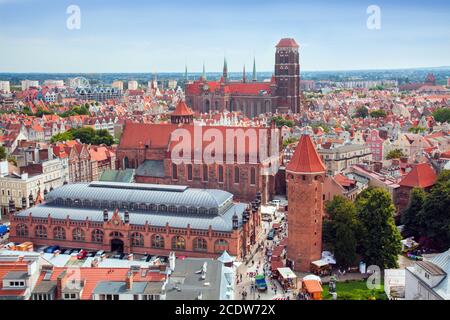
(182, 109)
(305, 158)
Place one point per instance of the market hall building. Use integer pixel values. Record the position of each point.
(141, 219)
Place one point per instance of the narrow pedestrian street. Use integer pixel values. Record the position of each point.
(260, 264)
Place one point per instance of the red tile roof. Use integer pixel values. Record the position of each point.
(182, 110)
(251, 88)
(248, 88)
(344, 181)
(6, 267)
(312, 286)
(421, 175)
(93, 275)
(305, 158)
(287, 42)
(158, 136)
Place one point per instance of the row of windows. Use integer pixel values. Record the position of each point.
(220, 173)
(134, 206)
(137, 239)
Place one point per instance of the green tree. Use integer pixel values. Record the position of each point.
(395, 154)
(378, 114)
(84, 134)
(380, 239)
(362, 112)
(412, 218)
(442, 115)
(326, 128)
(2, 153)
(436, 212)
(64, 136)
(289, 140)
(340, 230)
(280, 121)
(417, 129)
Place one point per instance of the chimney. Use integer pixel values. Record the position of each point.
(60, 284)
(129, 280)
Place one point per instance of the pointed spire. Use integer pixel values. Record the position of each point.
(204, 72)
(243, 75)
(185, 72)
(225, 69)
(254, 69)
(306, 159)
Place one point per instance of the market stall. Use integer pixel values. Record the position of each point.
(321, 267)
(287, 278)
(313, 288)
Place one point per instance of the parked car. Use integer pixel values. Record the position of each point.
(271, 234)
(91, 254)
(260, 282)
(123, 256)
(82, 254)
(3, 230)
(100, 253)
(275, 202)
(51, 249)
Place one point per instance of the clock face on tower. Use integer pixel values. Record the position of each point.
(205, 87)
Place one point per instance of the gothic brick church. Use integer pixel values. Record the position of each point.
(281, 94)
(147, 148)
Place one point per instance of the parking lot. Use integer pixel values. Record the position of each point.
(78, 256)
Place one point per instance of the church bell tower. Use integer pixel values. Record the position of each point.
(287, 75)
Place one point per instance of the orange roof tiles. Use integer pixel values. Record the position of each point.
(287, 42)
(305, 158)
(182, 110)
(421, 175)
(343, 180)
(312, 286)
(93, 275)
(6, 267)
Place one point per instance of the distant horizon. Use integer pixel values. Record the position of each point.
(220, 71)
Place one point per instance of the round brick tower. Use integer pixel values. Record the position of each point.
(305, 175)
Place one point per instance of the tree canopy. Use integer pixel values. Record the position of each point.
(395, 154)
(76, 110)
(412, 218)
(86, 135)
(442, 115)
(340, 230)
(417, 129)
(362, 112)
(435, 212)
(380, 239)
(2, 153)
(280, 121)
(378, 114)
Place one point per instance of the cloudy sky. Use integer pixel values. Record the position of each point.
(161, 36)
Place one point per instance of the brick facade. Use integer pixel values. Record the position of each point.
(305, 176)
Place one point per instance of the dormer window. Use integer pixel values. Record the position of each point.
(16, 284)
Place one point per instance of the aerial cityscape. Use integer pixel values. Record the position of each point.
(146, 153)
